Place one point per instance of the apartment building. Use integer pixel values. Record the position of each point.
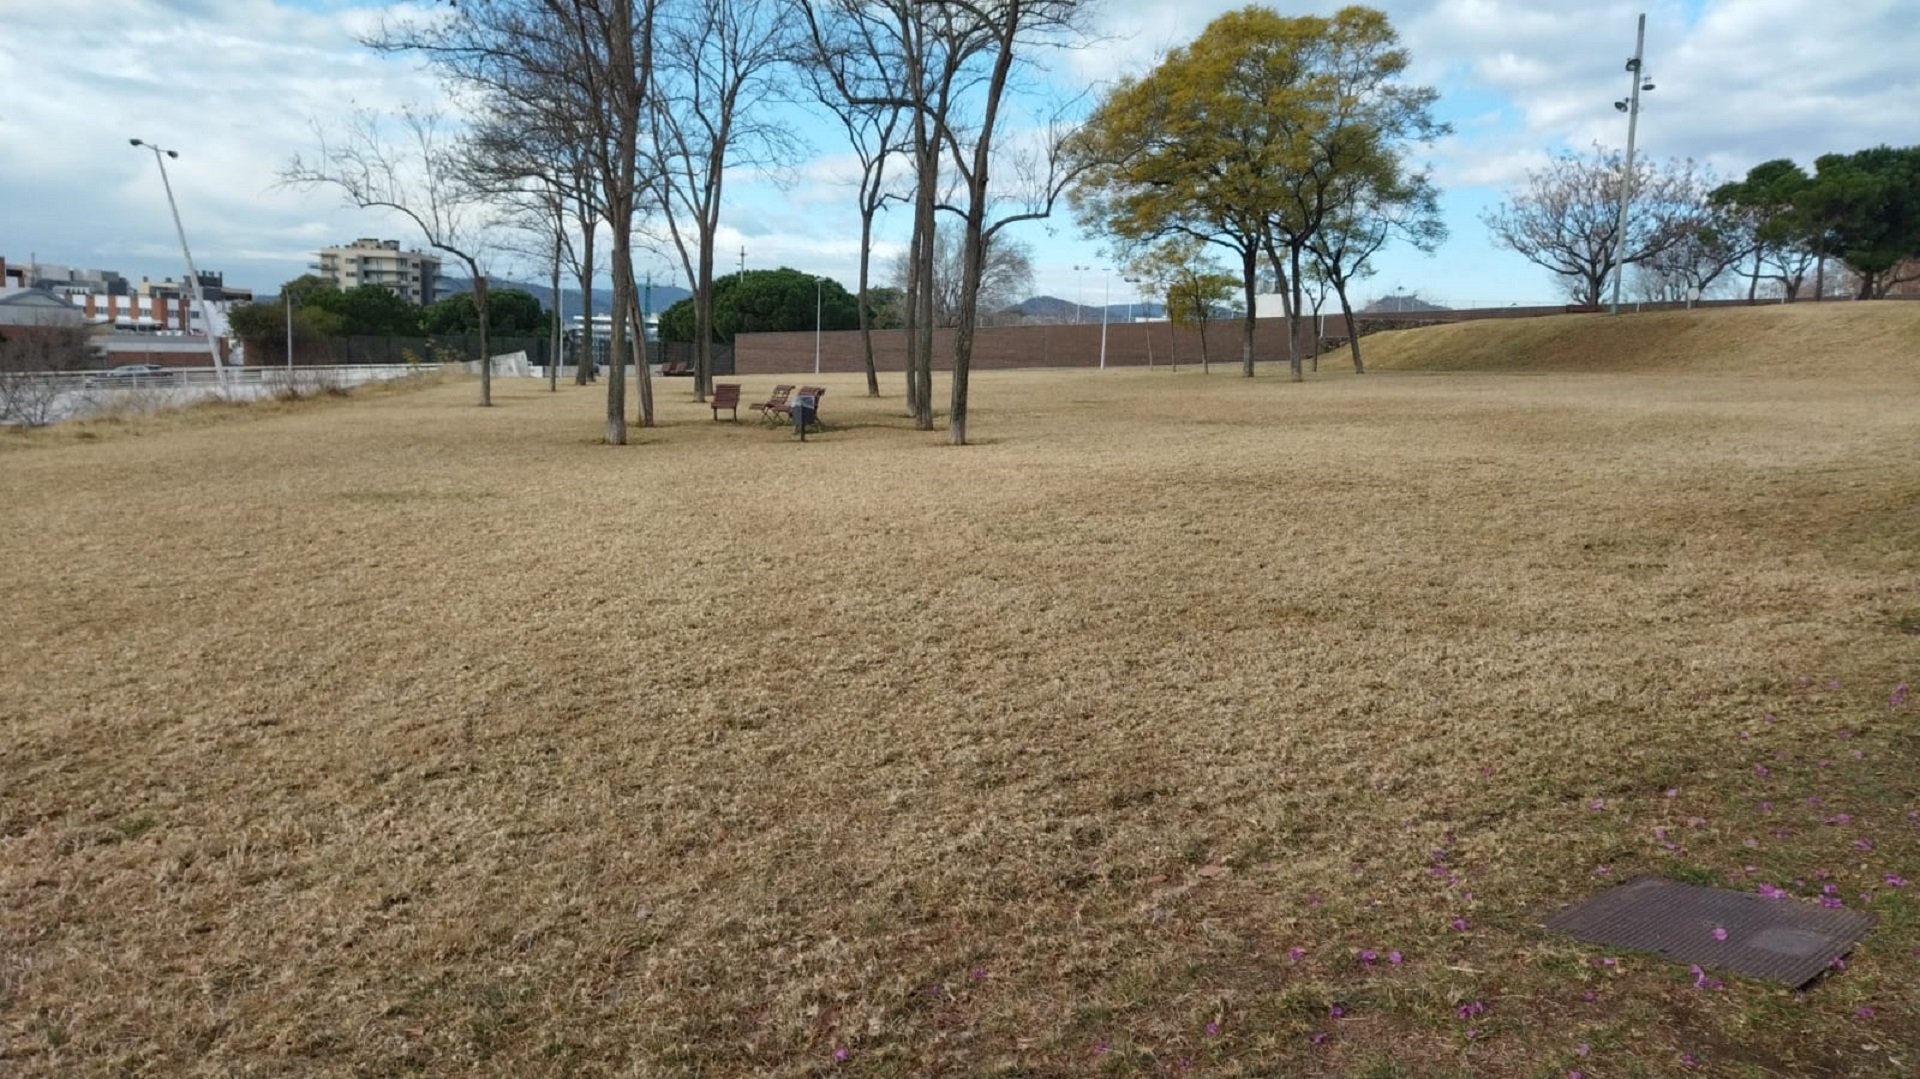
(414, 275)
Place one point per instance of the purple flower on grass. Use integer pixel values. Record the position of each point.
(1673, 792)
(1100, 1047)
(1840, 818)
(1597, 804)
(1336, 1012)
(1470, 1009)
(1317, 1037)
(1213, 1030)
(1863, 1012)
(1899, 696)
(977, 974)
(1696, 822)
(1771, 892)
(1395, 957)
(1837, 963)
(1589, 996)
(1844, 735)
(1762, 771)
(1863, 843)
(1582, 1049)
(1895, 880)
(1576, 1074)
(1296, 953)
(1689, 1060)
(1602, 870)
(1460, 924)
(1367, 956)
(1659, 833)
(1831, 902)
(840, 1053)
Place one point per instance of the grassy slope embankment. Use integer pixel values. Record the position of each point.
(1791, 340)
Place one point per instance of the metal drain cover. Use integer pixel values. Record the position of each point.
(1779, 940)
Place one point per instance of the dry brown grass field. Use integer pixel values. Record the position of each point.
(391, 735)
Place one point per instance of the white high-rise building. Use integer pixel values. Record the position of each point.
(414, 275)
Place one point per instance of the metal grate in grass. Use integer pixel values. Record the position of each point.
(1776, 940)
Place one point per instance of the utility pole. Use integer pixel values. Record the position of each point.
(1630, 106)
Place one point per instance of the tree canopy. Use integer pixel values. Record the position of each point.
(511, 311)
(765, 301)
(1240, 139)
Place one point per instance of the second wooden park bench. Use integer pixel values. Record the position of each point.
(775, 405)
(726, 395)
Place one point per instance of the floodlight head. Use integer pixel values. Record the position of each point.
(1621, 105)
(1648, 85)
(135, 142)
(173, 153)
(1633, 63)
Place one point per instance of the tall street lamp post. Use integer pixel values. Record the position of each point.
(816, 323)
(1630, 106)
(193, 276)
(1106, 301)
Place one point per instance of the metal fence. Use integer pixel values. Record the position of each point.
(392, 351)
(38, 398)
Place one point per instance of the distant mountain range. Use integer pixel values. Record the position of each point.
(1052, 309)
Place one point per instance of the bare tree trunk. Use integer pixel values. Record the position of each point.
(923, 323)
(1353, 330)
(617, 340)
(1250, 266)
(703, 319)
(866, 320)
(1293, 317)
(556, 331)
(486, 347)
(583, 362)
(641, 371)
(1753, 283)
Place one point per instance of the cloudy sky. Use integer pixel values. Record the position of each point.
(237, 86)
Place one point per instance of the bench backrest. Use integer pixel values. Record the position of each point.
(780, 395)
(726, 394)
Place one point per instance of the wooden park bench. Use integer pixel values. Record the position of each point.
(676, 370)
(773, 406)
(725, 395)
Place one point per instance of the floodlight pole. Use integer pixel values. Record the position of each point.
(1106, 301)
(288, 296)
(1634, 68)
(816, 323)
(193, 276)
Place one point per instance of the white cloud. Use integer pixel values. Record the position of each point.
(234, 85)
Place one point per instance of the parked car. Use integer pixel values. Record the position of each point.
(130, 374)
